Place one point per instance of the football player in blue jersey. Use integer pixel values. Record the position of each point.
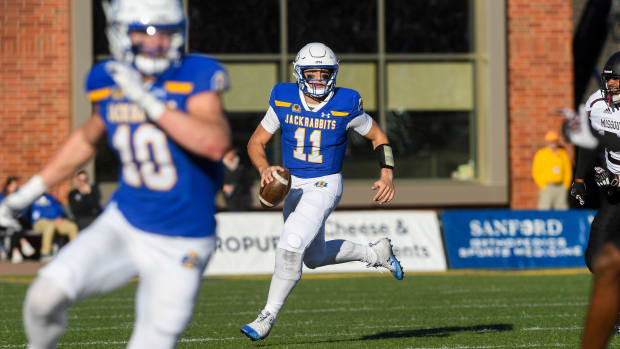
(161, 113)
(314, 116)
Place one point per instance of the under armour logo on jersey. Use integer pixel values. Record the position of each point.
(326, 115)
(320, 184)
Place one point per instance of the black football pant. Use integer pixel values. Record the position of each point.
(605, 226)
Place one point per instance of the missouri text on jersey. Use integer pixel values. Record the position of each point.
(613, 124)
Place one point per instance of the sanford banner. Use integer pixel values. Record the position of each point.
(247, 241)
(516, 239)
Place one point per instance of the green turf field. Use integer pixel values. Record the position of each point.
(423, 311)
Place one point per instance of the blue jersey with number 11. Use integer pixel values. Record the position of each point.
(163, 188)
(314, 141)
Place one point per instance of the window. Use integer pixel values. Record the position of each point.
(430, 144)
(346, 26)
(100, 41)
(249, 26)
(431, 26)
(422, 78)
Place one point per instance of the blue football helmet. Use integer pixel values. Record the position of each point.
(149, 16)
(315, 55)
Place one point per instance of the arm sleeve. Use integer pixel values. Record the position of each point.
(585, 162)
(361, 124)
(270, 121)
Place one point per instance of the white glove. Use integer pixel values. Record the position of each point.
(26, 194)
(19, 200)
(7, 219)
(576, 128)
(133, 87)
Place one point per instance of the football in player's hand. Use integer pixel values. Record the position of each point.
(273, 193)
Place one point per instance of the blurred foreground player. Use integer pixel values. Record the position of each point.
(594, 128)
(314, 116)
(161, 113)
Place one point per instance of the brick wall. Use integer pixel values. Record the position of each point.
(540, 80)
(34, 85)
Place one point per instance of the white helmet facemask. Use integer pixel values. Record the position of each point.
(315, 55)
(150, 16)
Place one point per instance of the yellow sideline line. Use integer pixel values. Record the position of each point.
(567, 271)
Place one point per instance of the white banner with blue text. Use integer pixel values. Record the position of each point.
(247, 241)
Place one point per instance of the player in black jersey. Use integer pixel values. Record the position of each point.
(594, 129)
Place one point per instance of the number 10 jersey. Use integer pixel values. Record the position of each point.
(163, 188)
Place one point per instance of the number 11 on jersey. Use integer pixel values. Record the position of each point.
(315, 139)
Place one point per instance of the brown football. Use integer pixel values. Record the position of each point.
(273, 193)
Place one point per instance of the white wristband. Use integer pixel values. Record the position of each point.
(26, 194)
(153, 107)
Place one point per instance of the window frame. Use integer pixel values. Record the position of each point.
(490, 186)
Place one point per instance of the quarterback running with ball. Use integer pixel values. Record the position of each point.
(161, 113)
(314, 116)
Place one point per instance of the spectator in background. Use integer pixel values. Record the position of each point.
(236, 187)
(17, 238)
(552, 172)
(84, 200)
(48, 218)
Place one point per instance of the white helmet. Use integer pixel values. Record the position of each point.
(150, 16)
(315, 55)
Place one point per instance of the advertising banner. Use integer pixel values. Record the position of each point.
(247, 241)
(516, 239)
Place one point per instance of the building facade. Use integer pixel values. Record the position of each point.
(465, 90)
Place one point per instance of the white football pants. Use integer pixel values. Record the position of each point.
(306, 208)
(111, 251)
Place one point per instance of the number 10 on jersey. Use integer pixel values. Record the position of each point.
(315, 139)
(150, 163)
